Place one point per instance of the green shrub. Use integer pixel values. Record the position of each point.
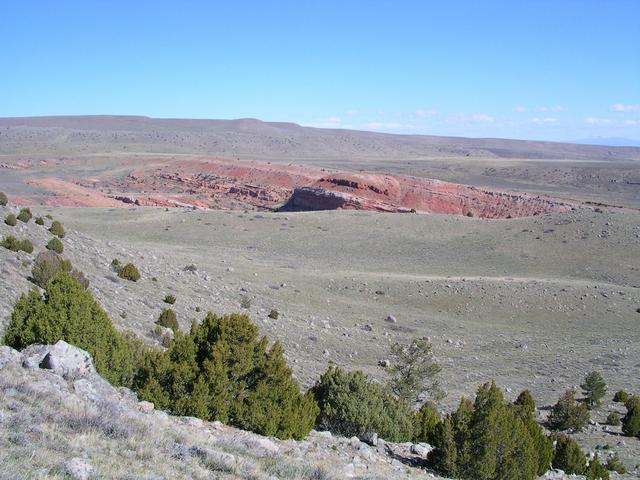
(567, 414)
(631, 421)
(621, 396)
(568, 456)
(273, 314)
(490, 439)
(129, 272)
(614, 464)
(168, 319)
(593, 388)
(115, 264)
(413, 370)
(68, 312)
(222, 370)
(613, 419)
(39, 221)
(24, 215)
(596, 470)
(351, 404)
(3, 199)
(57, 229)
(48, 264)
(11, 220)
(425, 421)
(170, 299)
(12, 243)
(55, 244)
(198, 309)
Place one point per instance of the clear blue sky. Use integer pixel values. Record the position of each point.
(557, 69)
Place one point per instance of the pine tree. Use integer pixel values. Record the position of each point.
(461, 419)
(443, 458)
(425, 421)
(525, 408)
(594, 388)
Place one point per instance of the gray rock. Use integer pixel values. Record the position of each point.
(79, 468)
(67, 361)
(370, 438)
(391, 319)
(145, 406)
(8, 356)
(421, 449)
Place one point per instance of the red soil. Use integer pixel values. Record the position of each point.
(218, 183)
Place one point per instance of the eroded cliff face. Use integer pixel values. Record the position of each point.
(226, 184)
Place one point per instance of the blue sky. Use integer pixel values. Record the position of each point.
(556, 70)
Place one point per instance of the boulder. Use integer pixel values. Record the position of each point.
(79, 468)
(8, 356)
(67, 361)
(421, 449)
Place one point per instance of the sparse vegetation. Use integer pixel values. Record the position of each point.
(55, 245)
(11, 220)
(39, 221)
(567, 414)
(57, 229)
(594, 389)
(3, 199)
(24, 215)
(12, 243)
(168, 319)
(170, 299)
(129, 272)
(614, 464)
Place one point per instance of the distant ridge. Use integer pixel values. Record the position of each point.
(254, 138)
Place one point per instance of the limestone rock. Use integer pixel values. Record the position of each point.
(67, 361)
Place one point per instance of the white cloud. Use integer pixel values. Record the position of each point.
(544, 121)
(351, 113)
(479, 117)
(632, 123)
(621, 107)
(520, 109)
(554, 108)
(422, 113)
(597, 121)
(330, 122)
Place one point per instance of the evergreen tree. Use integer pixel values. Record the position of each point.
(414, 370)
(425, 421)
(594, 388)
(68, 312)
(443, 458)
(462, 432)
(631, 421)
(568, 456)
(567, 414)
(596, 470)
(525, 408)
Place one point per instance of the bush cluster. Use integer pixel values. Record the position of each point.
(621, 396)
(12, 243)
(39, 221)
(222, 370)
(491, 439)
(568, 456)
(24, 215)
(631, 421)
(568, 414)
(55, 245)
(170, 299)
(11, 220)
(3, 199)
(129, 272)
(57, 229)
(168, 319)
(68, 312)
(352, 405)
(49, 264)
